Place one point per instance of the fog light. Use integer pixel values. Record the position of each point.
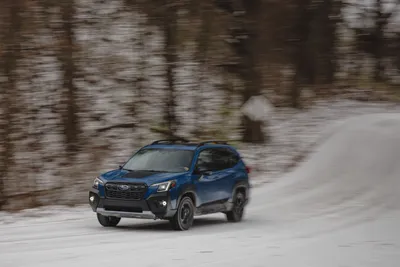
(164, 203)
(93, 200)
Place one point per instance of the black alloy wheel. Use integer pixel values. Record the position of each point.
(184, 216)
(108, 221)
(236, 214)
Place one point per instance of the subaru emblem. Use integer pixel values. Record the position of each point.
(123, 187)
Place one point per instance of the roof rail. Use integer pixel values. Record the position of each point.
(170, 141)
(212, 142)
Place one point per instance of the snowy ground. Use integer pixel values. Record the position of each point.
(295, 134)
(341, 207)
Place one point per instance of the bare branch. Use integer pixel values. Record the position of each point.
(116, 126)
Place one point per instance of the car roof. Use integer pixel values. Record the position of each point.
(165, 144)
(175, 147)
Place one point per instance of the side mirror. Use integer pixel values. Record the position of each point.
(196, 171)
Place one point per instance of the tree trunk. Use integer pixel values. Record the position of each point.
(66, 58)
(301, 61)
(248, 51)
(170, 54)
(140, 84)
(253, 132)
(327, 37)
(201, 55)
(11, 25)
(380, 23)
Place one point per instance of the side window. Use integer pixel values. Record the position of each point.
(231, 158)
(216, 159)
(220, 159)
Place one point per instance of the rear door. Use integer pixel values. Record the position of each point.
(225, 176)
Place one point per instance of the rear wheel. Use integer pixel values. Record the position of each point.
(184, 216)
(236, 214)
(108, 221)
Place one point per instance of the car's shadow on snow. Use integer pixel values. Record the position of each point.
(199, 223)
(165, 226)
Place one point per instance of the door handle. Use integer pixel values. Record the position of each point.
(204, 178)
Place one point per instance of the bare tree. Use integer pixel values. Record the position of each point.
(245, 42)
(65, 54)
(10, 27)
(170, 30)
(203, 43)
(380, 44)
(325, 37)
(164, 14)
(302, 64)
(372, 39)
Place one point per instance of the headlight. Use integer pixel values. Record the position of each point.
(97, 182)
(165, 186)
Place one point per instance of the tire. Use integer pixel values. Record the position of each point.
(108, 221)
(236, 214)
(184, 216)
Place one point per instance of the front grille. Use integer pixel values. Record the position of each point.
(126, 191)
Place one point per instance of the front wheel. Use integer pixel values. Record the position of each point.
(107, 221)
(184, 216)
(236, 214)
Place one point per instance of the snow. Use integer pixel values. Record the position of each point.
(340, 207)
(294, 134)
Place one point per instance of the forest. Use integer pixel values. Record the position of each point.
(83, 83)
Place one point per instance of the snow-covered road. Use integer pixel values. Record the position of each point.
(339, 208)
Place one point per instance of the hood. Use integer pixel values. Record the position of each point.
(140, 176)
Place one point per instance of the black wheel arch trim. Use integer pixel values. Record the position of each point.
(189, 188)
(94, 190)
(241, 184)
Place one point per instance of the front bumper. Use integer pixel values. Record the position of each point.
(156, 206)
(123, 214)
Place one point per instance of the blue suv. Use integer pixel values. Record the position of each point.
(173, 180)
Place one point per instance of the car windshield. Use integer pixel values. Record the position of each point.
(160, 160)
